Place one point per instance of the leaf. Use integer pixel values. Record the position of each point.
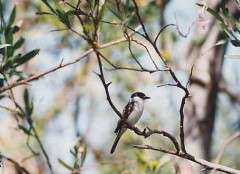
(102, 12)
(19, 43)
(28, 103)
(49, 6)
(10, 61)
(96, 3)
(4, 45)
(25, 130)
(12, 16)
(15, 29)
(65, 165)
(64, 18)
(235, 42)
(2, 96)
(26, 57)
(1, 76)
(84, 154)
(232, 56)
(221, 42)
(43, 13)
(113, 9)
(130, 17)
(127, 6)
(26, 97)
(140, 159)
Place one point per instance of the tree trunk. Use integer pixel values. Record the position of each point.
(201, 107)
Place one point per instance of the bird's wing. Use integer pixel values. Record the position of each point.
(126, 112)
(128, 109)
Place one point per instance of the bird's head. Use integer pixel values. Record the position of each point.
(139, 96)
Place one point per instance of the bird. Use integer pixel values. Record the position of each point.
(131, 113)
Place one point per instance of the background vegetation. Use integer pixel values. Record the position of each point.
(54, 115)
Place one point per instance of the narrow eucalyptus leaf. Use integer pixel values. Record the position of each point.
(4, 45)
(19, 43)
(1, 76)
(27, 57)
(12, 16)
(65, 165)
(25, 130)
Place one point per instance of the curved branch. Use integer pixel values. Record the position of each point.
(86, 53)
(15, 163)
(204, 163)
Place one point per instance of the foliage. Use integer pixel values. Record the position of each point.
(95, 22)
(229, 23)
(10, 56)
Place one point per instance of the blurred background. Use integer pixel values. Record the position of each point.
(70, 110)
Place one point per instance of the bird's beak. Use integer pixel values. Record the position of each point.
(146, 97)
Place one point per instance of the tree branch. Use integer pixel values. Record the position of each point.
(225, 144)
(86, 53)
(15, 163)
(204, 163)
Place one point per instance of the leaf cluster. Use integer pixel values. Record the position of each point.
(10, 58)
(228, 22)
(79, 153)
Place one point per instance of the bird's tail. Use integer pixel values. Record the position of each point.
(115, 142)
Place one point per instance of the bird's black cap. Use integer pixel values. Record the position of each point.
(140, 95)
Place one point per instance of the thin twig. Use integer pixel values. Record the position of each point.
(139, 43)
(41, 147)
(15, 163)
(162, 29)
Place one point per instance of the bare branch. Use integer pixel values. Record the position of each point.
(15, 163)
(225, 144)
(162, 29)
(169, 84)
(204, 163)
(139, 43)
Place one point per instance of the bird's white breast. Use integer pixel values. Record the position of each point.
(137, 111)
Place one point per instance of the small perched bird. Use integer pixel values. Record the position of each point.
(132, 113)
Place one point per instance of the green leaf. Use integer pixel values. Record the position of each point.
(65, 165)
(232, 56)
(1, 76)
(64, 17)
(28, 103)
(49, 6)
(26, 97)
(140, 159)
(235, 42)
(15, 29)
(12, 16)
(130, 17)
(113, 9)
(221, 42)
(25, 130)
(4, 45)
(43, 13)
(9, 62)
(96, 3)
(127, 6)
(26, 57)
(2, 96)
(19, 43)
(84, 154)
(9, 37)
(102, 12)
